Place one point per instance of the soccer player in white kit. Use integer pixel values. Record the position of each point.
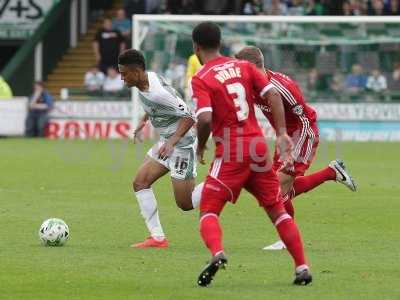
(175, 152)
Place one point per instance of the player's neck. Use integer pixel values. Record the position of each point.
(208, 56)
(143, 85)
(262, 70)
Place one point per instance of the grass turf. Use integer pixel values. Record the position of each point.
(352, 239)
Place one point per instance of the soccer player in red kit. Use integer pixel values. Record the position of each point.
(302, 128)
(223, 91)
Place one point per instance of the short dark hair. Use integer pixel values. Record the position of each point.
(252, 54)
(207, 35)
(132, 57)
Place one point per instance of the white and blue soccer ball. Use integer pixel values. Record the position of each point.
(54, 232)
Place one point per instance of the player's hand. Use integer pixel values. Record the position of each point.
(166, 150)
(200, 155)
(137, 136)
(284, 146)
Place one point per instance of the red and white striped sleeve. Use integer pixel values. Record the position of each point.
(200, 95)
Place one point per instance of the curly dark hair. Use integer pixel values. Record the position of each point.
(132, 57)
(207, 35)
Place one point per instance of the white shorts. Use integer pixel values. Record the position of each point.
(181, 163)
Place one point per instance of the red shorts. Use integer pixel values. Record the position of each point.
(304, 150)
(226, 179)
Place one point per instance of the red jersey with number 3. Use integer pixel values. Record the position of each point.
(225, 87)
(298, 114)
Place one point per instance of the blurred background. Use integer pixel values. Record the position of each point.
(59, 76)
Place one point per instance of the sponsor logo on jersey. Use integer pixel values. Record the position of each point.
(265, 108)
(298, 110)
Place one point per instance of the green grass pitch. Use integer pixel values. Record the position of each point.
(352, 239)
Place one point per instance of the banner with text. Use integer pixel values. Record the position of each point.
(345, 122)
(20, 18)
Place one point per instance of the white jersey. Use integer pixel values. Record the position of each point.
(165, 108)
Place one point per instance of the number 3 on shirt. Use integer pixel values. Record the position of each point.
(239, 93)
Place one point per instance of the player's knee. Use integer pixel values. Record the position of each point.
(275, 211)
(185, 206)
(140, 184)
(184, 203)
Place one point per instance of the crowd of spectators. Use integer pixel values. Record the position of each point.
(257, 7)
(264, 7)
(115, 36)
(354, 83)
(97, 83)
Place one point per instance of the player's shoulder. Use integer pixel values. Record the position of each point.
(156, 81)
(280, 76)
(158, 85)
(215, 66)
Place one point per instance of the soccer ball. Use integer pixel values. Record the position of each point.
(54, 232)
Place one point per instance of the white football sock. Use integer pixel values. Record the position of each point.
(148, 208)
(196, 195)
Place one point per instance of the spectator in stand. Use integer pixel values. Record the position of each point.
(356, 81)
(252, 7)
(376, 82)
(107, 45)
(336, 83)
(296, 8)
(392, 8)
(396, 72)
(376, 8)
(395, 80)
(113, 83)
(5, 90)
(315, 8)
(123, 24)
(315, 82)
(40, 103)
(94, 79)
(347, 9)
(275, 8)
(358, 7)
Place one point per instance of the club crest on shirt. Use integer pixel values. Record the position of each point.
(298, 110)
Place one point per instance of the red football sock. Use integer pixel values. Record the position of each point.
(211, 233)
(289, 207)
(303, 184)
(290, 236)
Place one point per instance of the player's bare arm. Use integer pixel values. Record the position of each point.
(139, 128)
(184, 125)
(203, 133)
(283, 141)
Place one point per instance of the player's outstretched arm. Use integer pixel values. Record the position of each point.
(203, 132)
(283, 141)
(185, 123)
